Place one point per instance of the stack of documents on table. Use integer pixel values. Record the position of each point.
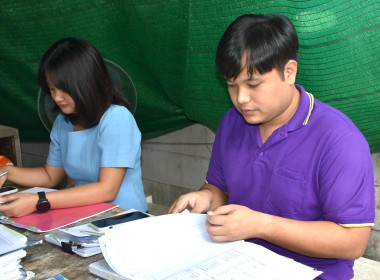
(81, 240)
(177, 246)
(11, 253)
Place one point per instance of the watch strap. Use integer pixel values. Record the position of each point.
(43, 204)
(41, 195)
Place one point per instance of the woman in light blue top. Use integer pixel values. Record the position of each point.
(95, 139)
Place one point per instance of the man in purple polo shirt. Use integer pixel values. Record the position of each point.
(287, 171)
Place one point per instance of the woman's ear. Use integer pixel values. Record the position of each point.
(290, 72)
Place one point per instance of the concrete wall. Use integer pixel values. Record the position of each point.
(177, 163)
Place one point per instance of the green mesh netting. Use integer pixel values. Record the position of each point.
(168, 48)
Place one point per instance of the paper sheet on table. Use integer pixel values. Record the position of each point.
(177, 246)
(10, 240)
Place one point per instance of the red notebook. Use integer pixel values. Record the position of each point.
(57, 218)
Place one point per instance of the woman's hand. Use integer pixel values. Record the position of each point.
(18, 204)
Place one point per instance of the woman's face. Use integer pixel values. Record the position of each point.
(62, 99)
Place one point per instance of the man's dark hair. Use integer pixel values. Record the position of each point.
(266, 41)
(76, 67)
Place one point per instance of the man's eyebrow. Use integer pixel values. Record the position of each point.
(250, 79)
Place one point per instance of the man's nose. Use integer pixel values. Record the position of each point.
(242, 95)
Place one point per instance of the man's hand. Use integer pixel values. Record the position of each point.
(19, 204)
(321, 239)
(195, 202)
(233, 222)
(207, 198)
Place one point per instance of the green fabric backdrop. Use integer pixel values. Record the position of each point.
(168, 48)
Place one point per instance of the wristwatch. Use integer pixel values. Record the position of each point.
(43, 205)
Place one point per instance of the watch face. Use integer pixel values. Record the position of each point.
(43, 206)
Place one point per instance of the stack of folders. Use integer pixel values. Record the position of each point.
(12, 246)
(81, 240)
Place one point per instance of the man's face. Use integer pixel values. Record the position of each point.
(263, 99)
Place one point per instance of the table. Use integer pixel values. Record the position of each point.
(47, 260)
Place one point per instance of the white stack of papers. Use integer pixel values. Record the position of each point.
(177, 246)
(11, 253)
(78, 238)
(102, 270)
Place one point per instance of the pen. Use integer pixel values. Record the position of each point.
(4, 173)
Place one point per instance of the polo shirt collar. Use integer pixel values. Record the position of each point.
(305, 108)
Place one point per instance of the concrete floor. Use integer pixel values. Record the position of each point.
(366, 269)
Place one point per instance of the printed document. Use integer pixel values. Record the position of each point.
(10, 240)
(177, 246)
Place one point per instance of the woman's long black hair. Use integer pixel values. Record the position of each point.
(76, 67)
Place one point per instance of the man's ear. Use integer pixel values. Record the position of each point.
(290, 72)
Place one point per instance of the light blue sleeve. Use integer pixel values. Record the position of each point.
(56, 145)
(119, 138)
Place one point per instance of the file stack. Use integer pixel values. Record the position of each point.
(12, 246)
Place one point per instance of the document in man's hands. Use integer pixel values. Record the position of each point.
(177, 246)
(102, 270)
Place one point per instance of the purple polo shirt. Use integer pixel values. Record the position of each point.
(316, 167)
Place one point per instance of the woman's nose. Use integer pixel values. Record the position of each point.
(56, 95)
